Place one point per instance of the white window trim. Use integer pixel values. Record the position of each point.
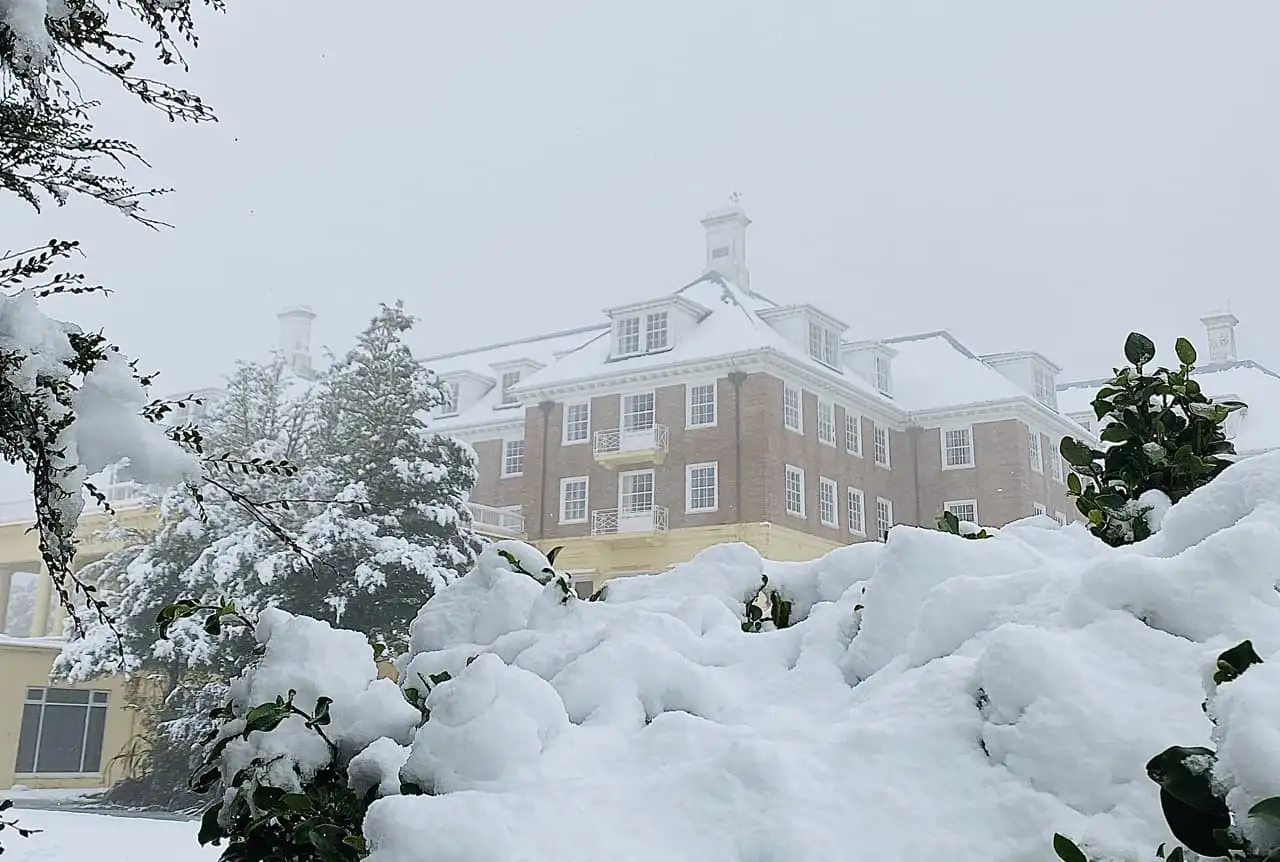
(688, 405)
(830, 405)
(622, 408)
(947, 507)
(888, 504)
(1058, 471)
(942, 440)
(799, 427)
(564, 432)
(640, 335)
(503, 469)
(824, 482)
(1037, 465)
(850, 415)
(862, 510)
(887, 463)
(653, 484)
(688, 487)
(586, 499)
(790, 469)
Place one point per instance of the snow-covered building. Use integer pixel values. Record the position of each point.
(1223, 376)
(712, 413)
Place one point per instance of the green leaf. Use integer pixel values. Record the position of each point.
(1067, 850)
(1116, 433)
(1139, 349)
(1177, 854)
(297, 802)
(553, 553)
(210, 829)
(1073, 484)
(213, 624)
(328, 840)
(1186, 351)
(1075, 453)
(321, 715)
(1268, 810)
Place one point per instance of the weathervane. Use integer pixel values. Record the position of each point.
(735, 198)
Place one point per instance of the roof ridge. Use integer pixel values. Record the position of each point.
(516, 341)
(936, 333)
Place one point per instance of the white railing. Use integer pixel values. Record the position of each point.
(505, 519)
(612, 522)
(615, 440)
(122, 495)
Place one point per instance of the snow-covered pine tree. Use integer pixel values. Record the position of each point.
(414, 533)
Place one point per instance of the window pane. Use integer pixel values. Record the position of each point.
(61, 739)
(93, 740)
(27, 739)
(66, 695)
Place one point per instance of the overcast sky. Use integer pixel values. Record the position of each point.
(1028, 175)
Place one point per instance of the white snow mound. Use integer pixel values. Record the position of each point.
(989, 694)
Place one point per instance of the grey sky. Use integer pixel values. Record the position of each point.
(1029, 175)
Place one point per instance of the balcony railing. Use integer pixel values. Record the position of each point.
(630, 521)
(618, 444)
(505, 520)
(121, 495)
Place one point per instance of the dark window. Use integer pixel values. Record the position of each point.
(62, 731)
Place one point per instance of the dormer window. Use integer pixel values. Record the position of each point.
(824, 344)
(509, 381)
(1043, 386)
(627, 332)
(642, 333)
(656, 331)
(449, 391)
(884, 381)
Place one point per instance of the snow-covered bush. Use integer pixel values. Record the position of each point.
(1163, 439)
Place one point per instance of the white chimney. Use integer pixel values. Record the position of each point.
(1220, 329)
(727, 243)
(295, 338)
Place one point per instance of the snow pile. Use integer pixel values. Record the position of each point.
(934, 697)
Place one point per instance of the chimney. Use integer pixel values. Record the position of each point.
(295, 338)
(1220, 330)
(727, 243)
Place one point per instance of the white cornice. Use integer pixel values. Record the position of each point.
(474, 431)
(1025, 409)
(782, 312)
(670, 301)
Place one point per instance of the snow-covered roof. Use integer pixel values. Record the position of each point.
(934, 370)
(1257, 429)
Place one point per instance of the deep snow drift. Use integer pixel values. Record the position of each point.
(989, 693)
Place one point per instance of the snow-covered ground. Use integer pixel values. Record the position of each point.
(68, 837)
(935, 698)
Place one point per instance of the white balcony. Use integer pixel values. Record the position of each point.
(651, 521)
(505, 522)
(618, 447)
(121, 495)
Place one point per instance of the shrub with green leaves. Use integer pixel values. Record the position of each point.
(1160, 433)
(949, 522)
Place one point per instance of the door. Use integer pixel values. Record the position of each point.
(637, 422)
(635, 502)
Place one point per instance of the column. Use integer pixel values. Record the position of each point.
(6, 586)
(44, 598)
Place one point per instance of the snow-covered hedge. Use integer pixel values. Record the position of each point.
(931, 698)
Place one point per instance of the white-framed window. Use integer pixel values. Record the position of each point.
(635, 492)
(637, 411)
(1044, 388)
(1033, 448)
(884, 518)
(1060, 517)
(626, 336)
(957, 448)
(965, 510)
(884, 377)
(828, 508)
(853, 433)
(701, 404)
(1039, 509)
(857, 512)
(1055, 464)
(61, 732)
(584, 587)
(792, 409)
(880, 444)
(702, 487)
(449, 391)
(655, 331)
(509, 380)
(573, 499)
(824, 344)
(795, 491)
(577, 422)
(512, 457)
(826, 422)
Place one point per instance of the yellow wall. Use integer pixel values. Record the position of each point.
(24, 665)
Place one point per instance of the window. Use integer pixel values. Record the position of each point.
(573, 500)
(1055, 464)
(795, 491)
(635, 492)
(584, 588)
(701, 406)
(656, 331)
(857, 512)
(626, 333)
(965, 510)
(513, 457)
(1043, 384)
(883, 381)
(637, 412)
(449, 392)
(828, 510)
(509, 380)
(884, 518)
(826, 422)
(792, 417)
(61, 732)
(824, 344)
(1039, 509)
(853, 433)
(957, 448)
(577, 422)
(702, 487)
(719, 252)
(1037, 462)
(880, 443)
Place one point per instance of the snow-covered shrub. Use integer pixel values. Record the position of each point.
(949, 522)
(1162, 437)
